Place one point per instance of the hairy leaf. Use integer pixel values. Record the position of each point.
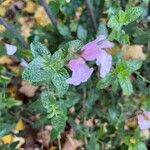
(39, 49)
(59, 81)
(37, 72)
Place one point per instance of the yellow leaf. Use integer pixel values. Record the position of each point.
(20, 140)
(30, 7)
(2, 28)
(53, 148)
(5, 60)
(20, 125)
(6, 2)
(133, 52)
(26, 25)
(15, 69)
(7, 139)
(2, 10)
(41, 17)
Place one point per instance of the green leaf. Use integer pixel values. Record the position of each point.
(134, 65)
(132, 14)
(5, 128)
(63, 30)
(11, 102)
(56, 112)
(102, 29)
(39, 49)
(124, 17)
(81, 32)
(54, 134)
(37, 72)
(54, 6)
(105, 82)
(119, 36)
(71, 47)
(114, 23)
(47, 100)
(59, 81)
(57, 60)
(126, 85)
(141, 146)
(121, 69)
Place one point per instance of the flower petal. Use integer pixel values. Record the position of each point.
(80, 71)
(143, 123)
(104, 60)
(23, 63)
(10, 49)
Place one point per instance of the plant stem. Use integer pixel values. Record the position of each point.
(91, 13)
(143, 78)
(59, 143)
(123, 4)
(49, 12)
(14, 32)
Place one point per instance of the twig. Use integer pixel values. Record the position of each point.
(49, 12)
(143, 78)
(13, 31)
(123, 4)
(92, 15)
(59, 142)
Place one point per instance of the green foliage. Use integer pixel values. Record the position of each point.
(122, 18)
(56, 112)
(98, 110)
(121, 75)
(37, 72)
(39, 49)
(59, 80)
(81, 32)
(63, 30)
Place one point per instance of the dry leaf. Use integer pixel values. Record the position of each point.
(30, 7)
(20, 125)
(41, 17)
(26, 25)
(2, 10)
(5, 60)
(7, 2)
(15, 70)
(71, 143)
(7, 139)
(28, 89)
(2, 28)
(133, 52)
(20, 140)
(89, 123)
(53, 148)
(43, 137)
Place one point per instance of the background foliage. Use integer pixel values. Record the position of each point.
(101, 112)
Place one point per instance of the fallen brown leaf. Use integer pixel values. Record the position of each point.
(5, 60)
(26, 25)
(89, 123)
(28, 89)
(133, 52)
(71, 143)
(43, 137)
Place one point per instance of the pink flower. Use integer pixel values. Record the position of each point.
(105, 61)
(10, 49)
(23, 63)
(95, 50)
(80, 71)
(144, 120)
